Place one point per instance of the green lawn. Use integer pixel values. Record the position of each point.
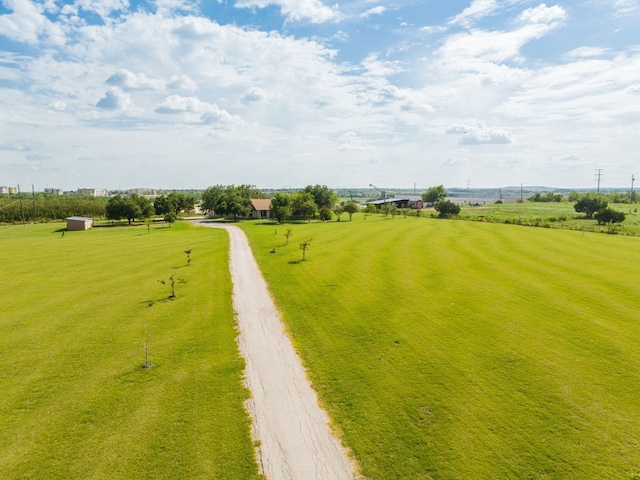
(448, 349)
(75, 402)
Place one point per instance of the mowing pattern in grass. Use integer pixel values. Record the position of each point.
(448, 349)
(75, 401)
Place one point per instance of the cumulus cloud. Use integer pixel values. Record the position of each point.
(206, 113)
(27, 23)
(114, 99)
(480, 134)
(127, 80)
(296, 10)
(253, 94)
(102, 8)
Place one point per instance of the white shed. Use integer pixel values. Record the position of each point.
(79, 223)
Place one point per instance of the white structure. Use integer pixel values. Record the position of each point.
(79, 223)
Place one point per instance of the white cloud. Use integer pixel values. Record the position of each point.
(207, 113)
(115, 99)
(464, 50)
(28, 24)
(253, 94)
(586, 52)
(127, 80)
(379, 10)
(478, 9)
(623, 8)
(480, 134)
(296, 10)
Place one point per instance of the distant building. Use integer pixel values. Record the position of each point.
(54, 191)
(79, 223)
(144, 192)
(260, 208)
(408, 201)
(94, 192)
(8, 190)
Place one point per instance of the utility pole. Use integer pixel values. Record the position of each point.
(521, 200)
(633, 179)
(599, 177)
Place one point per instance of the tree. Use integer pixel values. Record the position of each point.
(322, 195)
(304, 246)
(281, 206)
(325, 213)
(230, 200)
(188, 252)
(119, 207)
(170, 218)
(589, 204)
(145, 207)
(303, 205)
(351, 207)
(434, 195)
(446, 208)
(212, 199)
(339, 210)
(609, 215)
(173, 280)
(288, 234)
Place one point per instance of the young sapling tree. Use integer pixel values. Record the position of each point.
(288, 234)
(188, 252)
(304, 246)
(173, 280)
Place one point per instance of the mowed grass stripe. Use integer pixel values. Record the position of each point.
(76, 402)
(448, 349)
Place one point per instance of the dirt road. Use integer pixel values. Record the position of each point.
(295, 440)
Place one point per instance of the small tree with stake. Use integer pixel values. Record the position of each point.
(173, 280)
(188, 252)
(287, 234)
(304, 246)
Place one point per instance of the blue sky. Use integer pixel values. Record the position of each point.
(187, 94)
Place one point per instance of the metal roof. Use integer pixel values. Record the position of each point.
(80, 219)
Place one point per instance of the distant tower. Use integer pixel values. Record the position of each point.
(598, 177)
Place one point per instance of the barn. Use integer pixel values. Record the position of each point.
(79, 223)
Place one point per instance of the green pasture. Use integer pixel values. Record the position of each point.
(447, 349)
(75, 402)
(552, 215)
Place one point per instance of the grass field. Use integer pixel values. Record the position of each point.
(448, 349)
(552, 215)
(75, 402)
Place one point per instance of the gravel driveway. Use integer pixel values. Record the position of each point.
(295, 441)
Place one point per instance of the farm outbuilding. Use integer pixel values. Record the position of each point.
(79, 223)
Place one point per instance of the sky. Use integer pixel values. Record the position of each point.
(183, 94)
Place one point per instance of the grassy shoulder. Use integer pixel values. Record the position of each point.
(447, 349)
(75, 401)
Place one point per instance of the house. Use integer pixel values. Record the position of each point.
(79, 223)
(260, 208)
